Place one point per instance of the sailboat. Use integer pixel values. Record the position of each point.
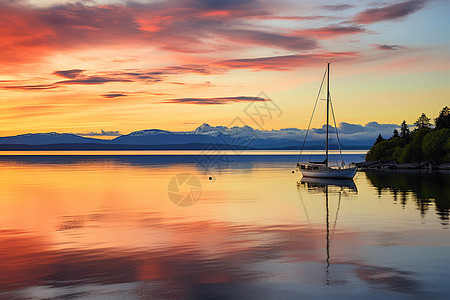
(323, 169)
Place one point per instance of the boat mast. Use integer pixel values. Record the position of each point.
(328, 108)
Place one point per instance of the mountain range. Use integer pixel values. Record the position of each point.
(353, 136)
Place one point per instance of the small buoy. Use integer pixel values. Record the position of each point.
(210, 178)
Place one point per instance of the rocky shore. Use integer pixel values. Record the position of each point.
(390, 165)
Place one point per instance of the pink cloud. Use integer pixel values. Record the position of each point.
(187, 27)
(29, 34)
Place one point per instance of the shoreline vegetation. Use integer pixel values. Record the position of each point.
(426, 147)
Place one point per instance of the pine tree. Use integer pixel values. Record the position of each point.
(404, 130)
(443, 120)
(379, 139)
(395, 134)
(423, 122)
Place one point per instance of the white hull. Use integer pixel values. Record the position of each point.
(347, 173)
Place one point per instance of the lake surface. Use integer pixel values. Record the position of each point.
(165, 227)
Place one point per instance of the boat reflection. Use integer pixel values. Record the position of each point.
(320, 185)
(328, 186)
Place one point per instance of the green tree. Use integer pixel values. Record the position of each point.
(412, 152)
(443, 120)
(395, 134)
(447, 152)
(383, 150)
(422, 144)
(404, 130)
(434, 145)
(423, 122)
(379, 139)
(398, 151)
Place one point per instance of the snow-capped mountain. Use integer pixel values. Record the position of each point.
(243, 136)
(205, 134)
(161, 137)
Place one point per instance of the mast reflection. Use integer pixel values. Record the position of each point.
(328, 186)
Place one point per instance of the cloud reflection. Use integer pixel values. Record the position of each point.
(198, 259)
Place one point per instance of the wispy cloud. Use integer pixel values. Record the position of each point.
(85, 77)
(269, 39)
(70, 74)
(114, 95)
(35, 87)
(331, 31)
(215, 101)
(292, 18)
(337, 6)
(285, 62)
(200, 69)
(387, 13)
(93, 80)
(77, 76)
(389, 47)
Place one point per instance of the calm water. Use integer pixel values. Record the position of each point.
(156, 227)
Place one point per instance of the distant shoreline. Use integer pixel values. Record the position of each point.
(118, 147)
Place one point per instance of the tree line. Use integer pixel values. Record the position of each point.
(425, 143)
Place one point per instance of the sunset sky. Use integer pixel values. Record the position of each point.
(117, 65)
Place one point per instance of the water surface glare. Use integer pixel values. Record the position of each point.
(131, 226)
